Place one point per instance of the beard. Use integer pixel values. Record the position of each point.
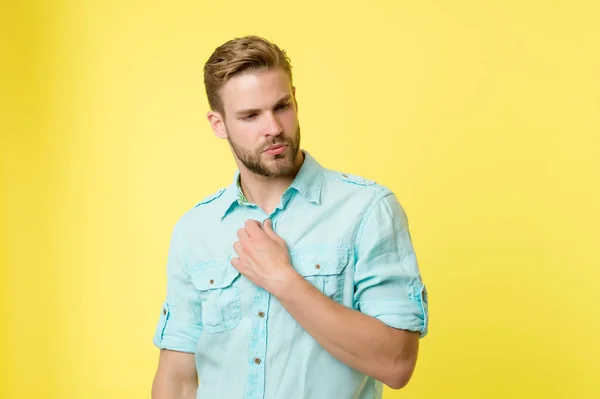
(280, 165)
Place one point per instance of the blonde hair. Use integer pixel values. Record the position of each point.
(237, 56)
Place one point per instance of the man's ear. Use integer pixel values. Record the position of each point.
(217, 124)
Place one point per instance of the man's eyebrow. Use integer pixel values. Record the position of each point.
(249, 111)
(284, 99)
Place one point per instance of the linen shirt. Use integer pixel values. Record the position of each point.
(346, 235)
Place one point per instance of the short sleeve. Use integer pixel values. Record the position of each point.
(388, 284)
(180, 321)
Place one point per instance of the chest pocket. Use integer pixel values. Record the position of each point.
(218, 286)
(323, 267)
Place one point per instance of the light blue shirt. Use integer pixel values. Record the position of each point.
(347, 235)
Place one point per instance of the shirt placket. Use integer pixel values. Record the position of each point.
(257, 356)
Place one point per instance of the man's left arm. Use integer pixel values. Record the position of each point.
(380, 336)
(362, 342)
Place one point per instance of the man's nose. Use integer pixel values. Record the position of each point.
(273, 127)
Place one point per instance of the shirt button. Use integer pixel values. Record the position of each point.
(261, 314)
(164, 311)
(317, 266)
(211, 282)
(257, 360)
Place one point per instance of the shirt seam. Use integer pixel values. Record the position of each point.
(380, 195)
(186, 250)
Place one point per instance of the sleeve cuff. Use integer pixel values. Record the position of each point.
(174, 336)
(411, 314)
(175, 344)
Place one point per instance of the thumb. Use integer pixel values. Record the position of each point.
(268, 228)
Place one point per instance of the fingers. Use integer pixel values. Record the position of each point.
(238, 264)
(268, 228)
(253, 227)
(243, 261)
(242, 234)
(239, 250)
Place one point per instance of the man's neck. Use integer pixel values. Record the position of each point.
(264, 191)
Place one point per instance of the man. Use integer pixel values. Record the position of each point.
(295, 281)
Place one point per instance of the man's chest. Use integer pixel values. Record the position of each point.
(309, 233)
(321, 249)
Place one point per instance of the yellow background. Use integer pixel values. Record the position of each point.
(483, 117)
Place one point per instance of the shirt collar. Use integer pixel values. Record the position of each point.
(308, 182)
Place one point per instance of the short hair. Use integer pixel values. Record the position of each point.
(237, 56)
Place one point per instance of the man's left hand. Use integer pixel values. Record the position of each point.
(263, 256)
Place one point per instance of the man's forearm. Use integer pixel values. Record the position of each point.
(169, 388)
(360, 341)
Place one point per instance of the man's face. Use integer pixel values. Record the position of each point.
(261, 121)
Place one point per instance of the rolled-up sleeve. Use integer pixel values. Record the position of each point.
(180, 321)
(388, 283)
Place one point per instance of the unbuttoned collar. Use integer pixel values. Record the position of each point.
(308, 182)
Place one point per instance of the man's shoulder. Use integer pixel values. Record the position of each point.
(203, 209)
(211, 197)
(349, 178)
(354, 181)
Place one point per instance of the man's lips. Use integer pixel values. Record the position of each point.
(276, 149)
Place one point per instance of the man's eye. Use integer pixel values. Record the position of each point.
(250, 116)
(283, 106)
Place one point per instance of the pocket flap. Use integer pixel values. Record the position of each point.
(320, 261)
(214, 276)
